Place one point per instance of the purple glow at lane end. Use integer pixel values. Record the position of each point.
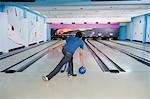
(112, 25)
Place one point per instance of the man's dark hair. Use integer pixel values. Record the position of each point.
(79, 34)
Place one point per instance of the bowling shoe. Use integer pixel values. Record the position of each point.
(45, 78)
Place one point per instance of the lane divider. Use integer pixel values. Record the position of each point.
(116, 65)
(101, 64)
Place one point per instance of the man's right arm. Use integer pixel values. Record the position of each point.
(81, 56)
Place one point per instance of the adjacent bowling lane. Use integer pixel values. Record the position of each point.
(138, 45)
(126, 62)
(137, 52)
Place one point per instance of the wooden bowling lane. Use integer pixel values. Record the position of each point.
(49, 61)
(94, 84)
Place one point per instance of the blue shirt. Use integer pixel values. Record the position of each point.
(72, 43)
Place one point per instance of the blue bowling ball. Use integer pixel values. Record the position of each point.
(82, 70)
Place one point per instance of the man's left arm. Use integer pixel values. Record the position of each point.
(57, 44)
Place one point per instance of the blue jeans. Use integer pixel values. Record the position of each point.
(68, 57)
